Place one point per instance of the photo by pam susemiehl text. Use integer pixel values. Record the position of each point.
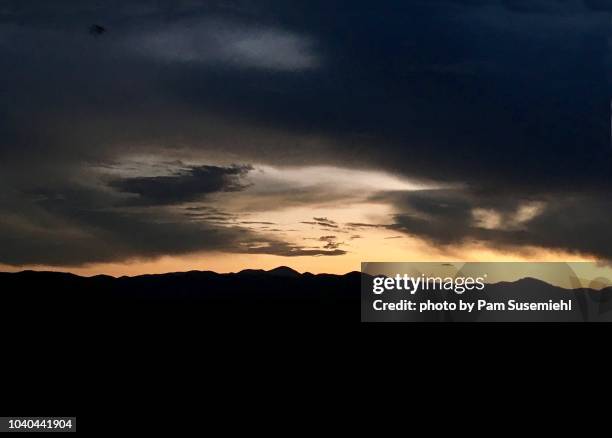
(484, 292)
(480, 305)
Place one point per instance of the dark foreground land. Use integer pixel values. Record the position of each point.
(279, 294)
(69, 339)
(257, 297)
(80, 332)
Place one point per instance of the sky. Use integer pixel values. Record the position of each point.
(224, 135)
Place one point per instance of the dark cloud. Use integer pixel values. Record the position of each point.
(333, 246)
(352, 225)
(295, 251)
(109, 236)
(288, 250)
(505, 96)
(188, 185)
(482, 92)
(599, 5)
(481, 82)
(66, 233)
(210, 214)
(82, 225)
(322, 222)
(577, 223)
(330, 242)
(541, 6)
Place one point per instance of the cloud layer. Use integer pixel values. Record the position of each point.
(189, 185)
(503, 103)
(224, 44)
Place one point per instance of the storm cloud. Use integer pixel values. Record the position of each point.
(188, 185)
(508, 101)
(84, 226)
(576, 223)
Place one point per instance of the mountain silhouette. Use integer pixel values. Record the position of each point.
(280, 294)
(284, 271)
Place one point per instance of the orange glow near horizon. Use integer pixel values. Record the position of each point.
(376, 249)
(275, 214)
